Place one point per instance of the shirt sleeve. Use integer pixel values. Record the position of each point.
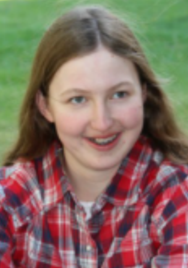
(6, 240)
(171, 226)
(20, 199)
(6, 227)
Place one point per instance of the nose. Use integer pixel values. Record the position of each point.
(101, 119)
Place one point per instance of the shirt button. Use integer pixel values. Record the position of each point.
(88, 248)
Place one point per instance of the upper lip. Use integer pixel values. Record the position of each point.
(104, 136)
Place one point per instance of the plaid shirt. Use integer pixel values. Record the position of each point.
(141, 220)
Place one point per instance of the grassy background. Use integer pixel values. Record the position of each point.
(161, 25)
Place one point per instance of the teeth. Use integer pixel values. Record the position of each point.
(104, 141)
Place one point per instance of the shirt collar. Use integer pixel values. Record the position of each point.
(125, 186)
(55, 184)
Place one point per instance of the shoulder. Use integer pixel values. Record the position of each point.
(31, 187)
(161, 177)
(162, 172)
(20, 193)
(169, 174)
(154, 170)
(166, 189)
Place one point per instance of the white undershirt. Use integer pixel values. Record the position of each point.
(87, 207)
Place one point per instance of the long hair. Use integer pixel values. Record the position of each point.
(77, 33)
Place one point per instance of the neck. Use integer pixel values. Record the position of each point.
(89, 183)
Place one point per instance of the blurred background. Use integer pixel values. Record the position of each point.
(160, 25)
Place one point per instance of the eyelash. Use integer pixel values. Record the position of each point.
(72, 100)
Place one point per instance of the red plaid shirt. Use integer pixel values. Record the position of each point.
(141, 220)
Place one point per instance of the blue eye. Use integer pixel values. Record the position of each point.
(78, 100)
(119, 95)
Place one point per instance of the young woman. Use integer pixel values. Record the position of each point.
(98, 175)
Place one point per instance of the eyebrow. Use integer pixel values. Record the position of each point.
(84, 91)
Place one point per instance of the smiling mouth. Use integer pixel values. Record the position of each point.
(102, 142)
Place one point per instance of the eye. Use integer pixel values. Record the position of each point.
(120, 95)
(78, 100)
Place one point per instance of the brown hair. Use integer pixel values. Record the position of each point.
(74, 34)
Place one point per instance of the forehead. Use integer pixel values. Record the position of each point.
(99, 69)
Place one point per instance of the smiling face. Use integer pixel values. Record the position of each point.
(96, 104)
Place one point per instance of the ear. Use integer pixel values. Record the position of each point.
(43, 107)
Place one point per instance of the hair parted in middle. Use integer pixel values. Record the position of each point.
(76, 33)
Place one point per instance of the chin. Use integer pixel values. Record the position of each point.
(106, 165)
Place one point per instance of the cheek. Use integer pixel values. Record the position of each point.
(69, 124)
(133, 116)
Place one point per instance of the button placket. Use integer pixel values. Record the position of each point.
(88, 252)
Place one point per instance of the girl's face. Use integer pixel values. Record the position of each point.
(96, 104)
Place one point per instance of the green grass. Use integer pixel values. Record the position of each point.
(161, 25)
